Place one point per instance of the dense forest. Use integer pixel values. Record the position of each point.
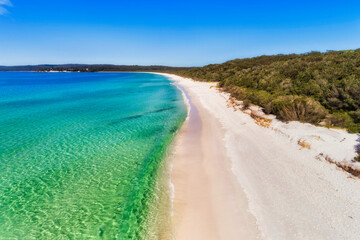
(87, 68)
(320, 88)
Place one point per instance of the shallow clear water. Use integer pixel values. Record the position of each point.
(81, 153)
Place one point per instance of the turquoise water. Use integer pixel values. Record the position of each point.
(81, 154)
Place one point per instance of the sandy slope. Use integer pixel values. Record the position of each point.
(290, 193)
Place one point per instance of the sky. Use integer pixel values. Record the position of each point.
(173, 33)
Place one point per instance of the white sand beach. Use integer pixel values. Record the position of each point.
(234, 179)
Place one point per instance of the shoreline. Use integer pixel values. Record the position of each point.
(207, 201)
(285, 190)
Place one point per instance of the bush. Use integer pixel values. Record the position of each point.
(355, 116)
(261, 98)
(344, 120)
(340, 119)
(246, 104)
(353, 128)
(298, 108)
(357, 158)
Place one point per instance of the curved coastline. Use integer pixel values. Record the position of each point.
(207, 201)
(286, 191)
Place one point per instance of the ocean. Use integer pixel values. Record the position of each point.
(82, 155)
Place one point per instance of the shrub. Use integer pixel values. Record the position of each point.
(344, 120)
(353, 128)
(355, 116)
(246, 104)
(340, 119)
(261, 98)
(297, 108)
(357, 158)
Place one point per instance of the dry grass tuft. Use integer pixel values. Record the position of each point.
(304, 144)
(260, 120)
(263, 122)
(349, 169)
(231, 103)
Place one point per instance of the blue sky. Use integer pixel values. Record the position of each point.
(176, 33)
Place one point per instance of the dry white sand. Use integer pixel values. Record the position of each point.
(225, 165)
(208, 202)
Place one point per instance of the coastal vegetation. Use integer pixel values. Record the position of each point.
(319, 88)
(357, 158)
